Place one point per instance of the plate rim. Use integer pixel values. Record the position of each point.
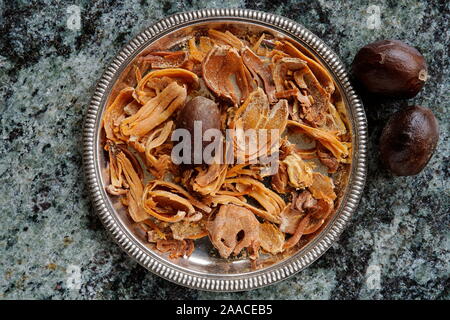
(194, 279)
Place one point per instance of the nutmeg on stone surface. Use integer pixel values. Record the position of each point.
(390, 68)
(408, 140)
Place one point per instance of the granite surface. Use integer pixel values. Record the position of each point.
(52, 245)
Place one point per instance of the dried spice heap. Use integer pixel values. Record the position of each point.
(257, 82)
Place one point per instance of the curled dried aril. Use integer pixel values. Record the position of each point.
(233, 229)
(225, 74)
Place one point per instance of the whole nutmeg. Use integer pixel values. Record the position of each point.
(197, 116)
(408, 140)
(390, 68)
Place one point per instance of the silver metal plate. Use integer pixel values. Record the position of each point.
(202, 270)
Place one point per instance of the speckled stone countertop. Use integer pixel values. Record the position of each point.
(53, 246)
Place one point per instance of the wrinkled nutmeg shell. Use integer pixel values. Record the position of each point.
(390, 68)
(408, 140)
(199, 109)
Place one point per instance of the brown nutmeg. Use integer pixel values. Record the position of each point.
(408, 140)
(205, 113)
(390, 68)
